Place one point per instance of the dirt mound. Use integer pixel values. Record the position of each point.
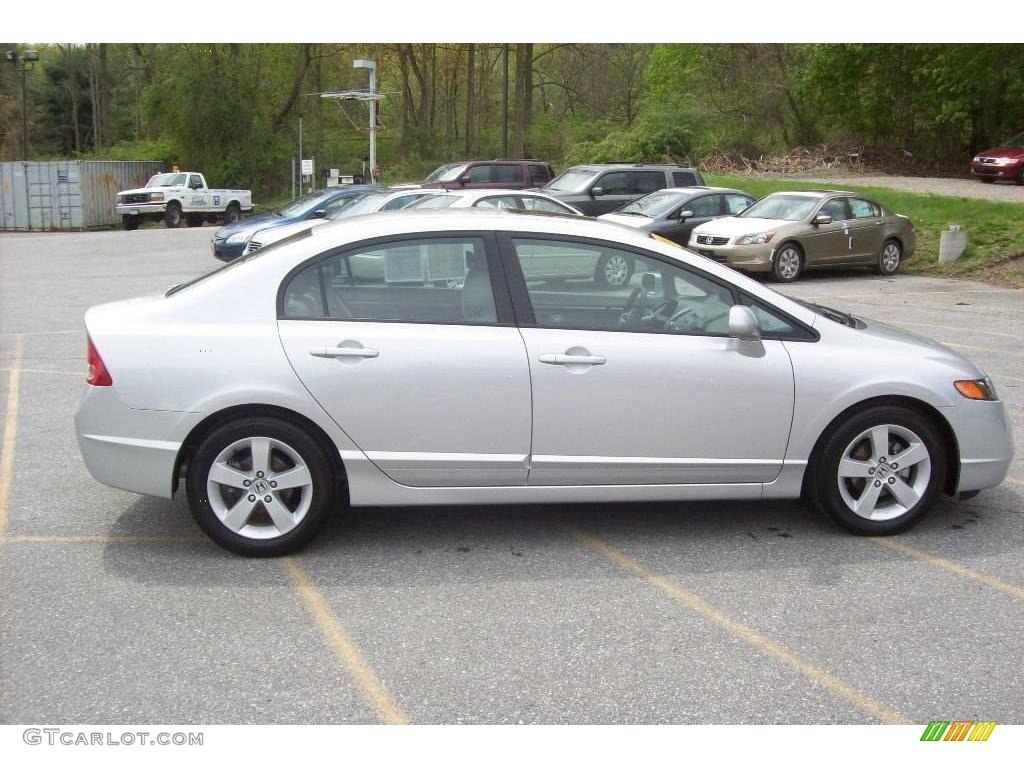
(832, 159)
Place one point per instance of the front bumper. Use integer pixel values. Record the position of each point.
(985, 443)
(750, 258)
(130, 448)
(140, 209)
(993, 171)
(225, 252)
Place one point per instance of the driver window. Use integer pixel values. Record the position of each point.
(591, 286)
(195, 182)
(835, 208)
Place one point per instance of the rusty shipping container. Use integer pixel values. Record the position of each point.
(67, 194)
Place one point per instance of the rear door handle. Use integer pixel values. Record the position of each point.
(344, 352)
(560, 359)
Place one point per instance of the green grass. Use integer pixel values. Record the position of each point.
(995, 231)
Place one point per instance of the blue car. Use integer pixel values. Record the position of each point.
(229, 241)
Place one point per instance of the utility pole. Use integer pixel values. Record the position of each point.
(372, 66)
(301, 177)
(504, 101)
(23, 63)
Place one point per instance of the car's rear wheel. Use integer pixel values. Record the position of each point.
(232, 213)
(260, 486)
(173, 216)
(613, 270)
(788, 264)
(879, 471)
(1020, 177)
(889, 258)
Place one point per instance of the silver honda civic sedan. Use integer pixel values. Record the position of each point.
(429, 358)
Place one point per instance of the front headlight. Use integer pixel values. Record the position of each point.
(976, 389)
(156, 196)
(239, 237)
(758, 238)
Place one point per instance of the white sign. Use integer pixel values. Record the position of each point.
(307, 167)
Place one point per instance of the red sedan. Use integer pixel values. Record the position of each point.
(1005, 162)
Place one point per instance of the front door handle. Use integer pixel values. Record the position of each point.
(561, 359)
(344, 352)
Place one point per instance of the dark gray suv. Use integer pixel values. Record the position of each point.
(603, 187)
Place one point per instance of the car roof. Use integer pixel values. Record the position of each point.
(817, 193)
(649, 166)
(697, 189)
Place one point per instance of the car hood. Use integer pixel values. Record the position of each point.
(733, 226)
(637, 222)
(1014, 152)
(142, 190)
(251, 224)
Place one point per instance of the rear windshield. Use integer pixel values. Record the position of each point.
(241, 259)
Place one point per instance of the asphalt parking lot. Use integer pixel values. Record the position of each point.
(114, 608)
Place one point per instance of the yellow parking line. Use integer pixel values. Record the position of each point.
(344, 647)
(949, 565)
(770, 647)
(39, 333)
(10, 433)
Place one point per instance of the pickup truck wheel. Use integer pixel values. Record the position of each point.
(232, 214)
(130, 223)
(194, 220)
(172, 216)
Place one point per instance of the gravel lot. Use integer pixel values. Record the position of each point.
(1000, 191)
(115, 609)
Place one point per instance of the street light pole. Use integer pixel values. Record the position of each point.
(23, 63)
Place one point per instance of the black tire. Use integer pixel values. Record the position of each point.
(823, 481)
(173, 215)
(987, 179)
(1020, 177)
(782, 263)
(232, 213)
(613, 278)
(324, 485)
(194, 219)
(884, 263)
(130, 223)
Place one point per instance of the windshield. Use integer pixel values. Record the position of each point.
(302, 205)
(655, 204)
(167, 180)
(784, 207)
(357, 204)
(572, 180)
(447, 172)
(434, 201)
(1016, 141)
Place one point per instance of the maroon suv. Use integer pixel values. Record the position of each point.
(490, 174)
(1005, 162)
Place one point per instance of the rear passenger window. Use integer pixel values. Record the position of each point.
(436, 280)
(645, 182)
(683, 179)
(507, 174)
(863, 209)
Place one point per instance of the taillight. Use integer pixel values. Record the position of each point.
(98, 376)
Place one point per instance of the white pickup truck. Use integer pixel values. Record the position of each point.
(181, 196)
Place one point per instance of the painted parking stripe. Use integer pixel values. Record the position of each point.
(10, 433)
(827, 681)
(44, 370)
(344, 647)
(103, 538)
(949, 565)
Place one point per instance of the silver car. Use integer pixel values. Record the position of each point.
(394, 360)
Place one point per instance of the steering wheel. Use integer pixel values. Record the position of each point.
(685, 319)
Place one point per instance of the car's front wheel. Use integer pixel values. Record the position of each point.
(879, 471)
(788, 264)
(260, 486)
(173, 215)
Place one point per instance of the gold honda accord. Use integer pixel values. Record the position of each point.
(788, 232)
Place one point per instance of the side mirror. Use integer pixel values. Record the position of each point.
(743, 323)
(649, 282)
(821, 218)
(597, 191)
(684, 215)
(319, 213)
(467, 179)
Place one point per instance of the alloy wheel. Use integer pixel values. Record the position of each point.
(616, 271)
(788, 263)
(884, 472)
(259, 487)
(890, 257)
